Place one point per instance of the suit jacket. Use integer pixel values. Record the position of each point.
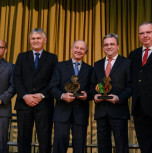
(80, 109)
(121, 86)
(6, 88)
(27, 80)
(142, 81)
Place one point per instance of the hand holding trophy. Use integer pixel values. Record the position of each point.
(104, 89)
(73, 87)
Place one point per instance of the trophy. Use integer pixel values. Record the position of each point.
(73, 87)
(104, 89)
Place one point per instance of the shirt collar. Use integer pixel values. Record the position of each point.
(73, 61)
(37, 52)
(143, 48)
(114, 58)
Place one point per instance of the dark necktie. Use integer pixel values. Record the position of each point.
(76, 70)
(36, 59)
(145, 57)
(108, 67)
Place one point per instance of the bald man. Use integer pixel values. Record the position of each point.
(6, 93)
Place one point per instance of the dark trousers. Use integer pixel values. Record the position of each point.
(143, 127)
(43, 123)
(120, 133)
(4, 123)
(62, 133)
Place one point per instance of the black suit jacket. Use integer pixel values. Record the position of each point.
(62, 75)
(6, 88)
(121, 86)
(142, 81)
(27, 80)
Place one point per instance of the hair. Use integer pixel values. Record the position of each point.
(111, 35)
(38, 30)
(4, 43)
(82, 41)
(145, 23)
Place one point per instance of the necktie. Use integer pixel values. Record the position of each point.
(76, 70)
(108, 67)
(36, 59)
(145, 57)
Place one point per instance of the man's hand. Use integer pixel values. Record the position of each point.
(96, 98)
(0, 102)
(38, 97)
(68, 97)
(114, 100)
(84, 97)
(30, 100)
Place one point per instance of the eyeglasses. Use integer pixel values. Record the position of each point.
(143, 33)
(1, 47)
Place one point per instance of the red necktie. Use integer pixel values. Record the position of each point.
(108, 67)
(145, 57)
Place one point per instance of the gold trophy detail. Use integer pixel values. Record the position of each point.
(73, 87)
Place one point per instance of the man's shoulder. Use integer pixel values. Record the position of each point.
(99, 61)
(136, 51)
(7, 63)
(87, 65)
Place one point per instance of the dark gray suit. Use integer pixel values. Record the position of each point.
(6, 93)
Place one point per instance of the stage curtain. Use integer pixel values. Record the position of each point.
(65, 21)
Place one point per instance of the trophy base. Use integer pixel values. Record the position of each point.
(105, 97)
(77, 94)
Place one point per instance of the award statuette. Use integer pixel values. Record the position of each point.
(104, 89)
(73, 87)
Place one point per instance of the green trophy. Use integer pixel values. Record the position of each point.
(73, 86)
(104, 89)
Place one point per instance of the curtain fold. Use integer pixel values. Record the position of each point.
(65, 21)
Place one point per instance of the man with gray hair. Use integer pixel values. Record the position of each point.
(113, 73)
(71, 112)
(32, 74)
(6, 93)
(142, 87)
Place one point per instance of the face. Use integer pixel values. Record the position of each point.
(78, 50)
(37, 41)
(110, 47)
(3, 50)
(145, 35)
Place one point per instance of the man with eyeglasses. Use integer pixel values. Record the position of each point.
(6, 93)
(142, 88)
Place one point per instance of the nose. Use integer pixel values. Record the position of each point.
(145, 34)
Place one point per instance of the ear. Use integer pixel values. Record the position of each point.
(118, 47)
(45, 40)
(5, 50)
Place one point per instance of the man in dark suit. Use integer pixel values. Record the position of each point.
(142, 88)
(6, 93)
(112, 114)
(32, 74)
(71, 112)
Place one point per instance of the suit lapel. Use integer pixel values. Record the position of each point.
(139, 58)
(82, 68)
(70, 67)
(30, 58)
(116, 64)
(41, 60)
(149, 60)
(2, 65)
